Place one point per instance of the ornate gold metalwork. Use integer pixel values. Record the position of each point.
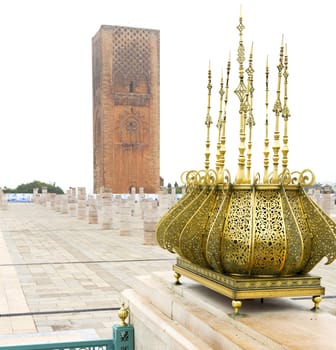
(260, 230)
(240, 288)
(236, 304)
(123, 314)
(285, 115)
(220, 125)
(250, 119)
(277, 109)
(266, 143)
(208, 122)
(242, 93)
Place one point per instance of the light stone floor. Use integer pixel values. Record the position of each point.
(52, 262)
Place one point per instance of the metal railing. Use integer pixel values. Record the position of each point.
(123, 339)
(102, 344)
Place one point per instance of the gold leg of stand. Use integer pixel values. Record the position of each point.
(236, 304)
(316, 300)
(177, 278)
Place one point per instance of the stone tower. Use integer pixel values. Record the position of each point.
(126, 108)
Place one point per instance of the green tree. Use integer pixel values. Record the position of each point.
(29, 187)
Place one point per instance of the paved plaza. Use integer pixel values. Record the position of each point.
(52, 262)
(61, 279)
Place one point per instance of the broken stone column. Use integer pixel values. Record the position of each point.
(51, 200)
(151, 217)
(3, 200)
(116, 204)
(131, 200)
(36, 195)
(106, 197)
(72, 201)
(326, 202)
(125, 214)
(93, 211)
(81, 203)
(141, 194)
(173, 196)
(64, 203)
(43, 198)
(58, 202)
(315, 195)
(164, 201)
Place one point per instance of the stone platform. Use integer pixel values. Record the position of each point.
(191, 316)
(62, 277)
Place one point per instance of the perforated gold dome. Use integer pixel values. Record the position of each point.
(271, 230)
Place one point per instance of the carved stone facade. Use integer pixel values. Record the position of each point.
(126, 109)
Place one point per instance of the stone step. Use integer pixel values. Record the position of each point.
(194, 308)
(154, 330)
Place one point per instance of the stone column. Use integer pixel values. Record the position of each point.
(125, 214)
(173, 196)
(44, 196)
(131, 201)
(93, 212)
(315, 195)
(64, 205)
(326, 202)
(81, 203)
(3, 200)
(51, 199)
(116, 204)
(36, 195)
(72, 201)
(58, 202)
(164, 201)
(142, 200)
(141, 194)
(151, 217)
(106, 210)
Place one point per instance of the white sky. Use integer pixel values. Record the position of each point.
(46, 81)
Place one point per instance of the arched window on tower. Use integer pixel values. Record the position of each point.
(131, 87)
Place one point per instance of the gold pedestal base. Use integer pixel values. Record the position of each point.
(239, 288)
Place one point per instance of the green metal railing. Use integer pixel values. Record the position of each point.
(123, 339)
(105, 344)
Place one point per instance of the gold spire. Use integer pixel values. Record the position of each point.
(266, 143)
(285, 115)
(277, 109)
(222, 140)
(250, 119)
(208, 122)
(223, 136)
(241, 92)
(220, 124)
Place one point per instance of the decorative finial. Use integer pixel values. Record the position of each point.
(277, 109)
(220, 123)
(208, 122)
(223, 131)
(123, 314)
(241, 92)
(266, 143)
(250, 119)
(285, 114)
